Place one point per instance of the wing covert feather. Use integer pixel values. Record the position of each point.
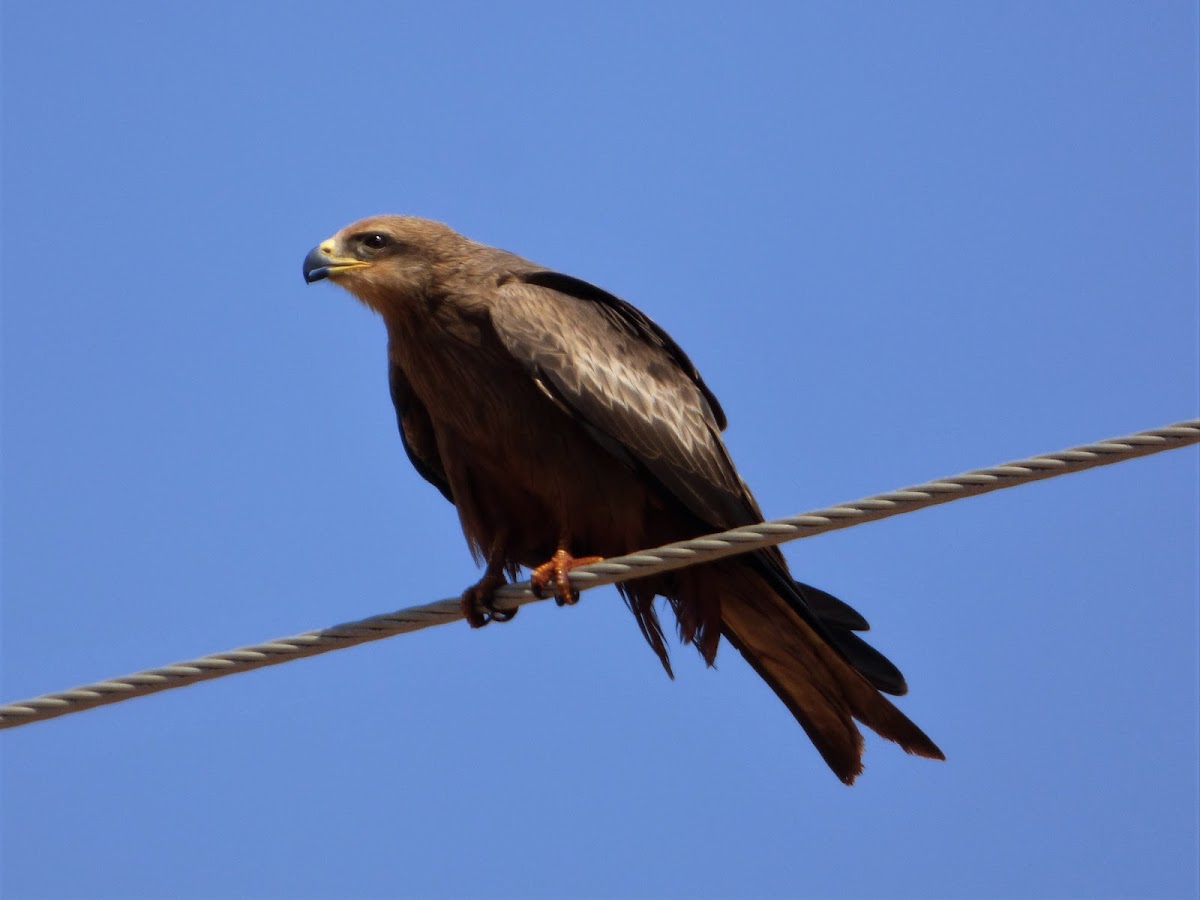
(614, 373)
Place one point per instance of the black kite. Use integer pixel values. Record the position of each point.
(561, 421)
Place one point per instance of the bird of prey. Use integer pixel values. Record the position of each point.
(565, 426)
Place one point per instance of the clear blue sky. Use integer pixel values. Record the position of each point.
(900, 241)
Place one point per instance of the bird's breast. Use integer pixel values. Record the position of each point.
(517, 463)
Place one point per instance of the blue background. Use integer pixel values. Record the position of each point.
(900, 241)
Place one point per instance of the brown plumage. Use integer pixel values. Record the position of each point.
(560, 421)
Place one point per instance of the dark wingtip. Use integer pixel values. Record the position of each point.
(871, 664)
(832, 610)
(840, 621)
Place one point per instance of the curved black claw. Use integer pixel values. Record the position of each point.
(479, 602)
(499, 615)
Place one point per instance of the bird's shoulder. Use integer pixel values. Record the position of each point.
(574, 314)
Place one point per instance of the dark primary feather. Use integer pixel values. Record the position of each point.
(833, 620)
(841, 621)
(832, 610)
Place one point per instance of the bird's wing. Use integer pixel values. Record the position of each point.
(620, 375)
(416, 432)
(635, 318)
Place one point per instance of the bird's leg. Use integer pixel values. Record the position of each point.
(479, 600)
(553, 576)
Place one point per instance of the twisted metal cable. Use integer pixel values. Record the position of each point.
(621, 568)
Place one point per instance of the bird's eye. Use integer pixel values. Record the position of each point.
(375, 241)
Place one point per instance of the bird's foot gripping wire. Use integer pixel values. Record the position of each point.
(479, 601)
(552, 578)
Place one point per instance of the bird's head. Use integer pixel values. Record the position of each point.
(384, 260)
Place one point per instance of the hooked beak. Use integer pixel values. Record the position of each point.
(321, 263)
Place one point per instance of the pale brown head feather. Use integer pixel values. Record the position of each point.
(391, 261)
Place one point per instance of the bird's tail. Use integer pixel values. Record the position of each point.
(801, 642)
